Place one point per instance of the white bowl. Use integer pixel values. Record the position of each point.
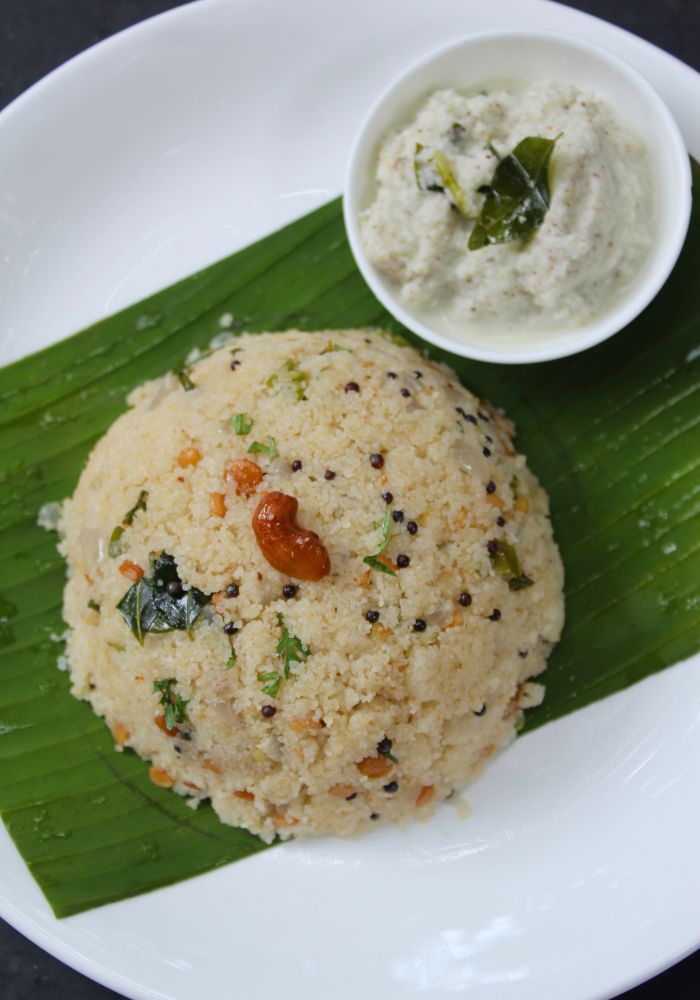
(531, 56)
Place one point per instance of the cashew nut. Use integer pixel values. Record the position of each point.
(290, 549)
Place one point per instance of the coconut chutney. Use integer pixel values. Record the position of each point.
(434, 176)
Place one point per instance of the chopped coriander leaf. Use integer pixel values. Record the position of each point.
(175, 705)
(385, 525)
(93, 605)
(231, 662)
(290, 648)
(515, 486)
(389, 755)
(372, 560)
(242, 424)
(274, 680)
(521, 582)
(377, 564)
(185, 381)
(270, 448)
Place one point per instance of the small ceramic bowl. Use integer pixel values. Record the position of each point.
(525, 55)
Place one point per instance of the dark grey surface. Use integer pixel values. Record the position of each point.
(38, 35)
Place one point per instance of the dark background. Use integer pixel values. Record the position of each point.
(38, 35)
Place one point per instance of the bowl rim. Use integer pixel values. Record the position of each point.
(568, 342)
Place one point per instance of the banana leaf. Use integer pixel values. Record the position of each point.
(613, 435)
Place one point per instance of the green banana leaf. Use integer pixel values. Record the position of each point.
(612, 434)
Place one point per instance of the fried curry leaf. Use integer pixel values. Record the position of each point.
(447, 176)
(519, 195)
(150, 605)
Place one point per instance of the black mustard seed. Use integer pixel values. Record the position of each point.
(289, 590)
(402, 561)
(232, 590)
(296, 465)
(372, 616)
(268, 711)
(376, 460)
(465, 598)
(419, 625)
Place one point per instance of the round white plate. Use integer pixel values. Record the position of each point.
(576, 875)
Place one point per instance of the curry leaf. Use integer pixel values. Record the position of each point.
(447, 175)
(151, 606)
(519, 196)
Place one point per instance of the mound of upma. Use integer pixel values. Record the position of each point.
(310, 580)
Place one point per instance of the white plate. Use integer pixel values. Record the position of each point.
(576, 875)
